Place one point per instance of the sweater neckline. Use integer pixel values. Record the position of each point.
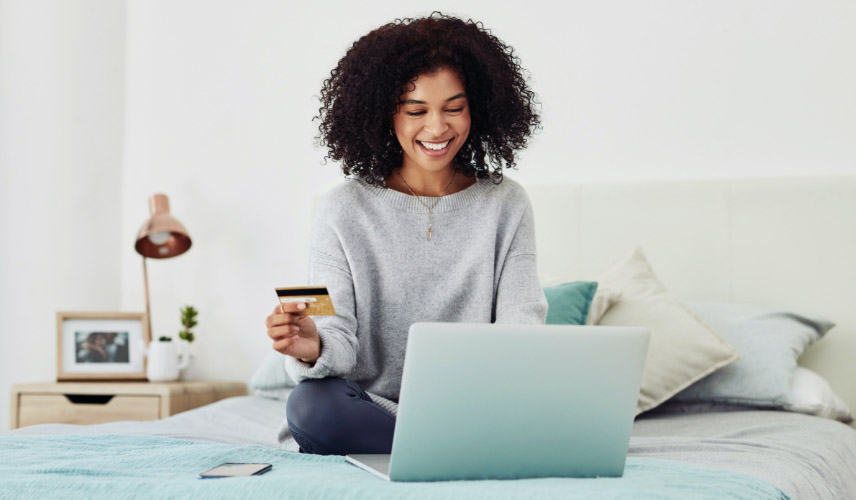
(441, 204)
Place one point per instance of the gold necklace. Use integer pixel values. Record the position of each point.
(419, 198)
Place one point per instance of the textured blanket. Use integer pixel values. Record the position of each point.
(138, 466)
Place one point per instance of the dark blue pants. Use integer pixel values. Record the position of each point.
(334, 416)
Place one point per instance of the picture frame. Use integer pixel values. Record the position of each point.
(101, 346)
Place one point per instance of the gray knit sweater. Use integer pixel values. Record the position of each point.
(370, 248)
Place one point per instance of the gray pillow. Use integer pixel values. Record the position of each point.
(271, 377)
(769, 343)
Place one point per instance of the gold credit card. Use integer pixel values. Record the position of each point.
(316, 298)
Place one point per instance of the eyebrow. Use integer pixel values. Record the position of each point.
(415, 101)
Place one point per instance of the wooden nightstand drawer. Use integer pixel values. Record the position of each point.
(98, 402)
(85, 408)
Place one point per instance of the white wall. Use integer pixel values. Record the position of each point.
(692, 89)
(61, 101)
(217, 114)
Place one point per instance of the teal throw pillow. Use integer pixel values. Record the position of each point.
(569, 303)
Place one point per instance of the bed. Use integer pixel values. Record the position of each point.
(723, 454)
(784, 246)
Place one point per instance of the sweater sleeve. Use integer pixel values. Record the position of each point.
(328, 267)
(519, 297)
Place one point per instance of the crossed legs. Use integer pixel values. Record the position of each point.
(335, 416)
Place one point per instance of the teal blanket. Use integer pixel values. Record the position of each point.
(134, 466)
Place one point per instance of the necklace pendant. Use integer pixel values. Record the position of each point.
(429, 233)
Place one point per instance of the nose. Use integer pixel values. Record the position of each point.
(436, 124)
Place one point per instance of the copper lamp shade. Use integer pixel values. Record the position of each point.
(161, 237)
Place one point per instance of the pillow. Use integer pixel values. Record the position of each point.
(811, 393)
(603, 300)
(672, 406)
(683, 349)
(271, 377)
(769, 343)
(278, 394)
(569, 303)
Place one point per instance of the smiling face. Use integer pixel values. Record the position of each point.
(432, 121)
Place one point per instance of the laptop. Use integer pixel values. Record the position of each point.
(499, 401)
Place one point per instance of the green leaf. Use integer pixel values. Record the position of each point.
(188, 318)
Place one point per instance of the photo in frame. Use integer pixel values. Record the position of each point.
(101, 346)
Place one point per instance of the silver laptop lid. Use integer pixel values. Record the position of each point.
(512, 401)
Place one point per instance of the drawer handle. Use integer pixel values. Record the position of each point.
(89, 399)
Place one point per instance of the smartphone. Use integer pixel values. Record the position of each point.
(235, 470)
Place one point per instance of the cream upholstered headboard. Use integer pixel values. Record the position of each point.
(788, 243)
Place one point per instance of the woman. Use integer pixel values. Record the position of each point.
(92, 350)
(423, 115)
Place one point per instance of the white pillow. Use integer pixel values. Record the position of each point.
(811, 394)
(604, 298)
(682, 350)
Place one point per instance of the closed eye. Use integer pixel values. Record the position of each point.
(419, 113)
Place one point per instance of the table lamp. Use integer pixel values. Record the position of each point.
(160, 237)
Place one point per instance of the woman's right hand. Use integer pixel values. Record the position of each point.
(294, 335)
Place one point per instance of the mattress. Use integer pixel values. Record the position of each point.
(801, 456)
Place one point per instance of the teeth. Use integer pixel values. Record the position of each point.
(434, 146)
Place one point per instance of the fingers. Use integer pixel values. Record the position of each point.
(279, 332)
(283, 345)
(283, 314)
(289, 307)
(283, 325)
(280, 319)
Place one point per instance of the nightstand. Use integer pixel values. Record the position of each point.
(99, 402)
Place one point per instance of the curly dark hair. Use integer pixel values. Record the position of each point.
(362, 94)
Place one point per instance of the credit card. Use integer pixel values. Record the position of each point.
(317, 299)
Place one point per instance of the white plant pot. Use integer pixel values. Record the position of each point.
(189, 372)
(163, 363)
